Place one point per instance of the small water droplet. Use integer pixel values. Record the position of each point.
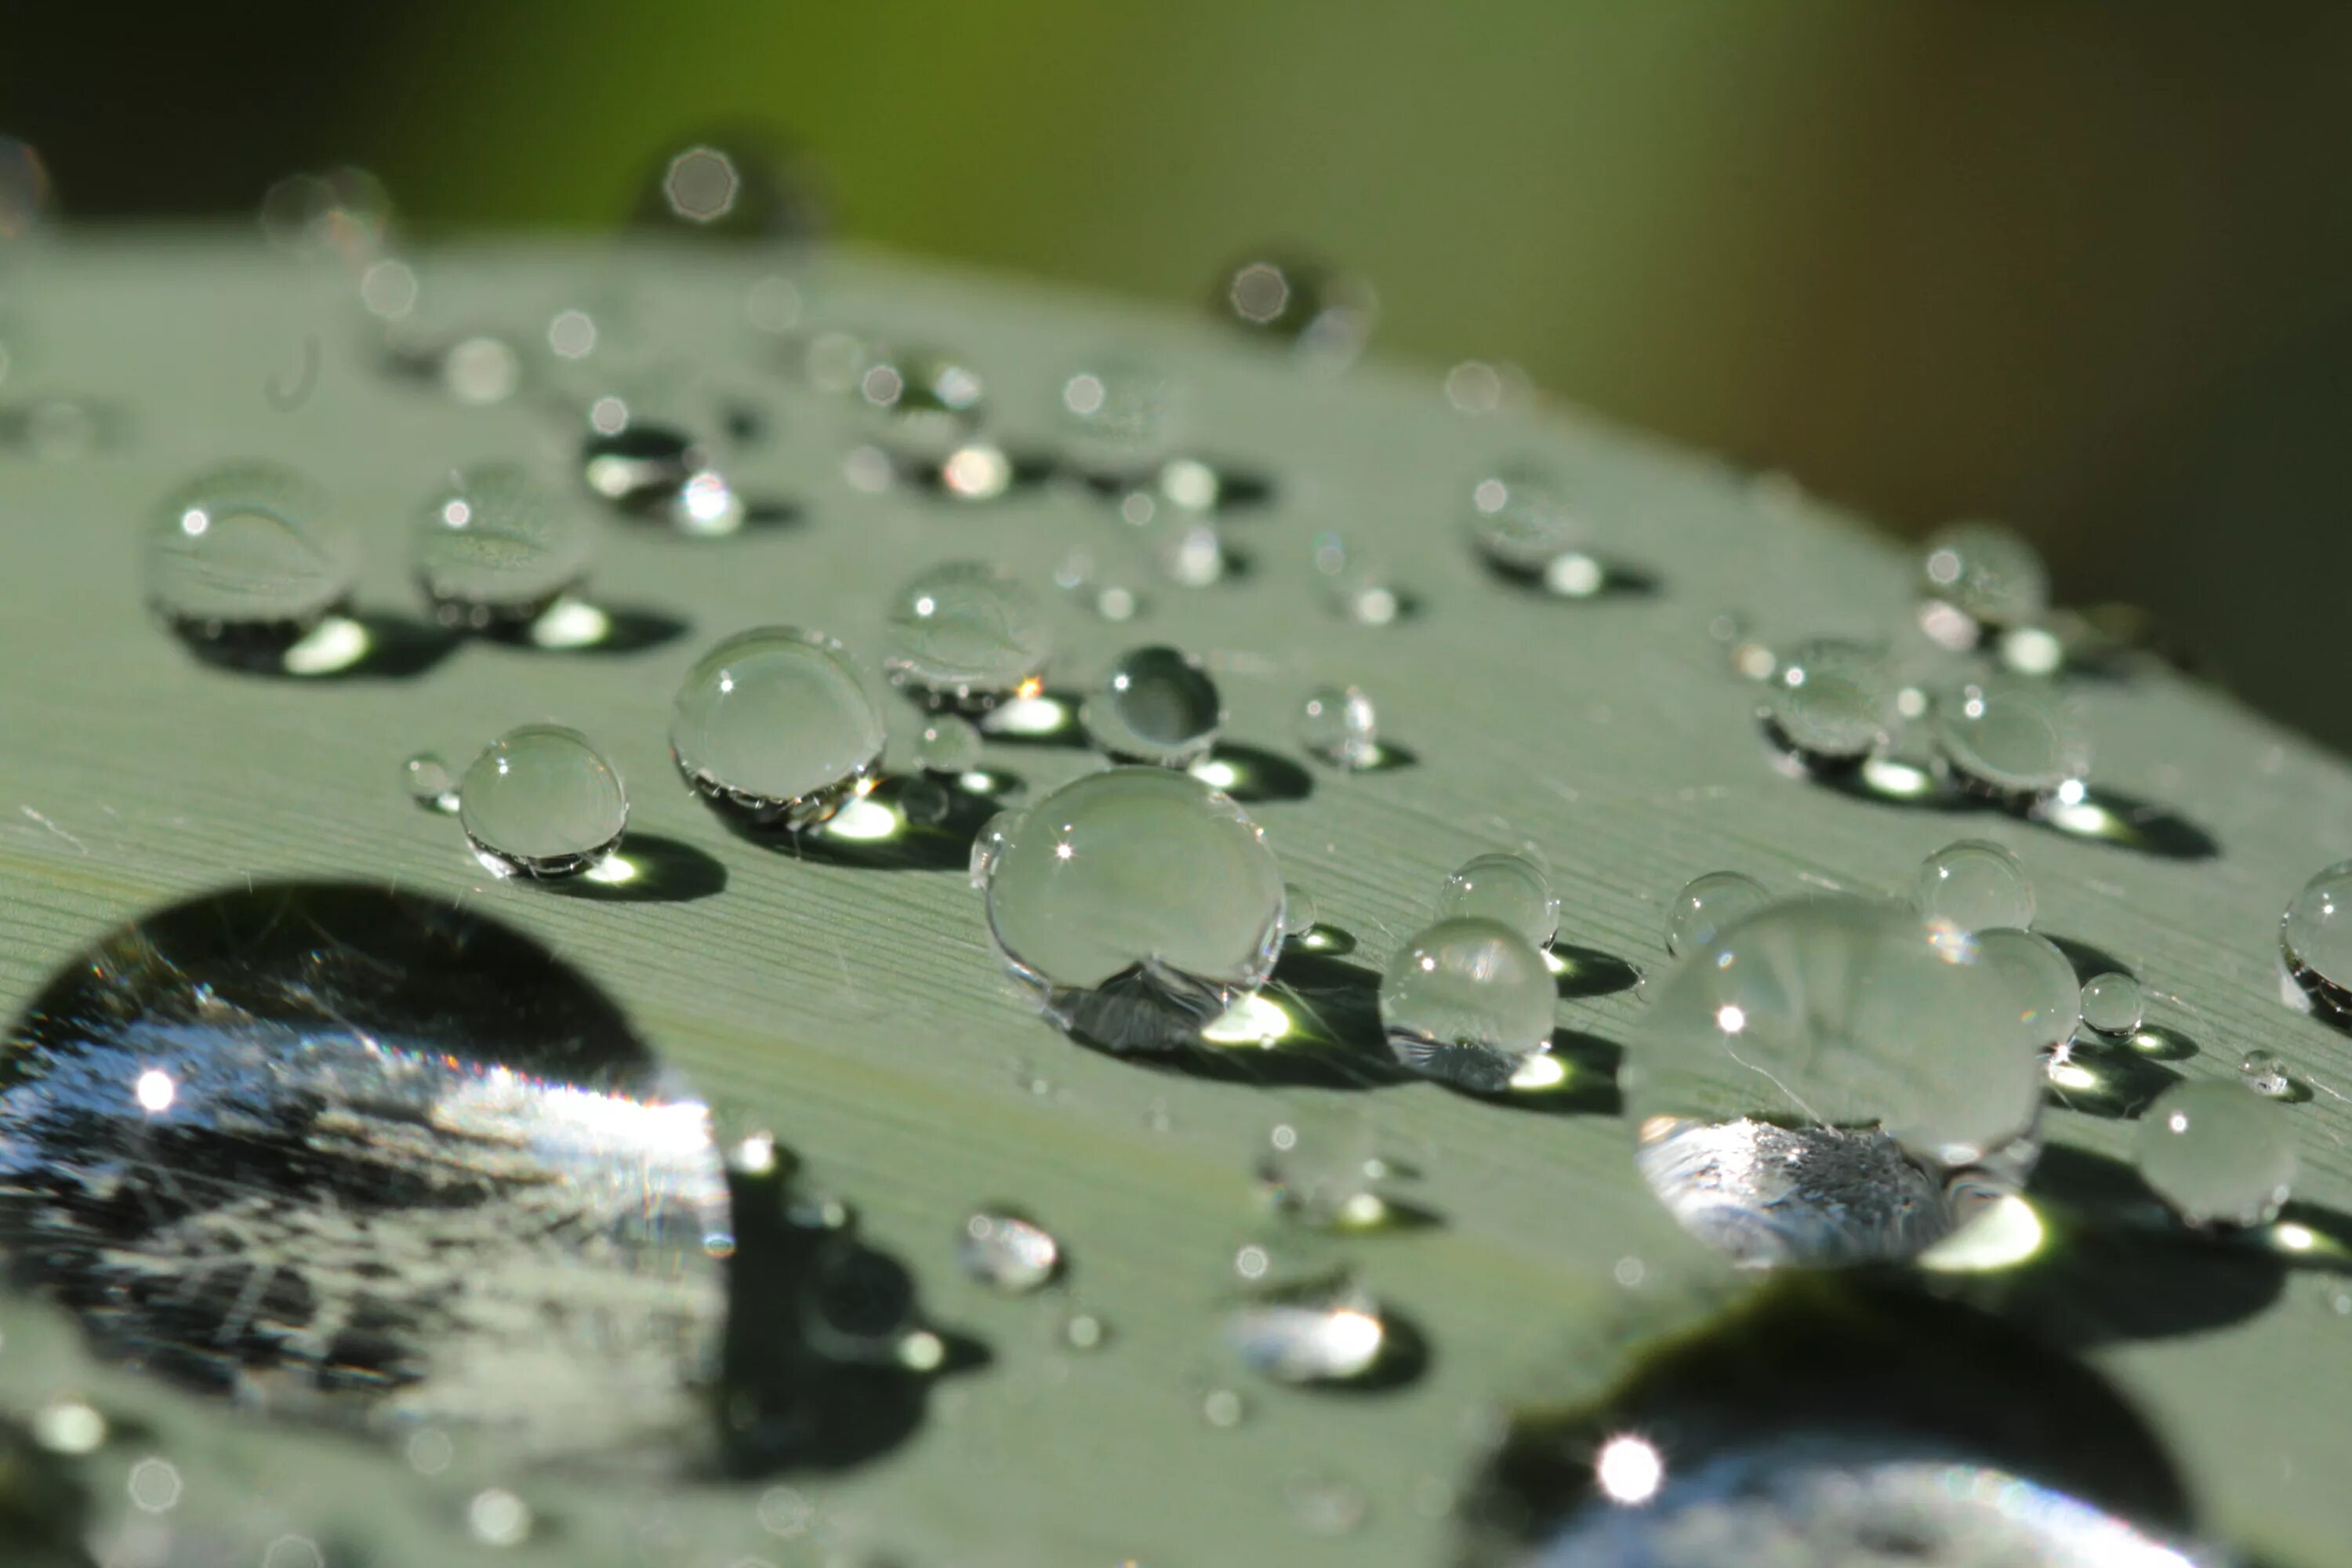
(1469, 1001)
(1709, 905)
(1298, 910)
(1974, 884)
(245, 559)
(2315, 938)
(430, 782)
(2112, 1004)
(2010, 738)
(1324, 1505)
(1079, 577)
(493, 550)
(965, 635)
(924, 403)
(1338, 724)
(1319, 1171)
(1157, 705)
(1987, 572)
(1510, 889)
(1008, 1251)
(1082, 1330)
(1223, 1408)
(2265, 1073)
(774, 722)
(1325, 313)
(541, 802)
(949, 744)
(1355, 583)
(2216, 1153)
(1830, 700)
(1475, 386)
(1116, 412)
(1138, 903)
(345, 213)
(1328, 1331)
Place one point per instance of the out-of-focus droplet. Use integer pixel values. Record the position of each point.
(1327, 1332)
(965, 635)
(1987, 572)
(1829, 703)
(1974, 884)
(733, 187)
(345, 213)
(1338, 724)
(1508, 889)
(248, 555)
(775, 724)
(1320, 1171)
(926, 401)
(2113, 1005)
(2012, 738)
(493, 550)
(2218, 1155)
(1469, 1001)
(1355, 583)
(1008, 1251)
(1157, 705)
(1708, 906)
(25, 191)
(1116, 412)
(1476, 386)
(1327, 314)
(540, 801)
(1520, 520)
(949, 744)
(430, 782)
(2315, 937)
(1298, 910)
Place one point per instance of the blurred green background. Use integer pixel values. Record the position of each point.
(2087, 268)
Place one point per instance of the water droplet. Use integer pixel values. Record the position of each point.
(1520, 523)
(410, 1170)
(1138, 902)
(2218, 1155)
(2045, 999)
(1510, 889)
(965, 635)
(633, 462)
(1330, 1331)
(1319, 1171)
(2010, 737)
(1339, 724)
(1469, 1001)
(494, 550)
(1975, 884)
(1832, 1081)
(1298, 910)
(774, 722)
(926, 404)
(246, 558)
(2112, 1004)
(1008, 1251)
(1323, 1505)
(1082, 1330)
(1830, 700)
(1157, 705)
(2263, 1072)
(1475, 386)
(1118, 414)
(1987, 572)
(1326, 313)
(541, 802)
(345, 213)
(429, 783)
(1223, 1408)
(2315, 937)
(990, 842)
(1079, 577)
(949, 744)
(1355, 583)
(1709, 905)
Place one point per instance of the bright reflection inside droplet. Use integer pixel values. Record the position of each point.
(2070, 1074)
(1216, 775)
(333, 645)
(863, 820)
(1253, 1020)
(1628, 1470)
(1030, 716)
(154, 1091)
(922, 1350)
(1540, 1071)
(69, 1426)
(570, 623)
(1897, 779)
(977, 472)
(613, 871)
(2002, 1235)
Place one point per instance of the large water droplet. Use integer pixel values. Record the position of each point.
(541, 802)
(1008, 1251)
(246, 558)
(1339, 724)
(1157, 705)
(1987, 572)
(1975, 884)
(774, 722)
(965, 635)
(1510, 889)
(1832, 1081)
(356, 1157)
(1327, 1332)
(2010, 738)
(2218, 1155)
(1469, 1001)
(1709, 905)
(2112, 1004)
(2315, 937)
(1138, 903)
(2046, 998)
(494, 550)
(1830, 700)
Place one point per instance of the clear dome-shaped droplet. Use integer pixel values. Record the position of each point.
(493, 548)
(1008, 1251)
(2113, 1005)
(925, 404)
(1157, 705)
(1709, 905)
(1298, 910)
(965, 635)
(2315, 937)
(774, 722)
(2265, 1073)
(2046, 999)
(1975, 884)
(2010, 737)
(429, 782)
(2218, 1155)
(1987, 572)
(1521, 522)
(1468, 1001)
(1355, 583)
(1138, 902)
(989, 844)
(1118, 413)
(1830, 700)
(1338, 724)
(1511, 890)
(950, 743)
(248, 554)
(542, 802)
(1830, 1081)
(1325, 1332)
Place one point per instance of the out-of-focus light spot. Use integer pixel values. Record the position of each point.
(2002, 1236)
(1260, 293)
(153, 1485)
(922, 1350)
(708, 505)
(1216, 775)
(1538, 1072)
(1474, 387)
(2031, 651)
(608, 415)
(702, 184)
(1897, 780)
(1731, 1018)
(573, 334)
(1628, 1470)
(388, 289)
(496, 1517)
(1083, 394)
(2073, 1074)
(68, 1425)
(1573, 574)
(1251, 1262)
(1031, 716)
(977, 472)
(333, 645)
(481, 370)
(613, 871)
(154, 1091)
(570, 623)
(1190, 483)
(429, 1452)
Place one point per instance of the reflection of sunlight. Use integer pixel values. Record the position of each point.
(335, 643)
(863, 820)
(1253, 1020)
(2302, 1241)
(154, 1091)
(614, 871)
(1628, 1470)
(1897, 780)
(1541, 1071)
(2002, 1236)
(2073, 1075)
(570, 623)
(1217, 775)
(1029, 716)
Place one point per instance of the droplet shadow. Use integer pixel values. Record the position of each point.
(363, 645)
(1251, 774)
(2099, 815)
(1331, 1036)
(2108, 1080)
(2088, 961)
(1048, 718)
(1593, 580)
(579, 627)
(878, 832)
(647, 869)
(1588, 972)
(1587, 1084)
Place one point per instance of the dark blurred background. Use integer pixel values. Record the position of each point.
(2084, 268)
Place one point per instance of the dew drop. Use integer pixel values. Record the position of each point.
(1975, 884)
(2315, 937)
(1832, 1081)
(989, 844)
(1326, 1331)
(1510, 889)
(1708, 906)
(2045, 997)
(2263, 1072)
(2010, 737)
(949, 744)
(496, 1517)
(1158, 705)
(1830, 700)
(1338, 724)
(775, 724)
(345, 213)
(1117, 413)
(2216, 1153)
(1355, 583)
(925, 404)
(1298, 910)
(1319, 1171)
(430, 782)
(1324, 1505)
(965, 635)
(411, 1170)
(493, 550)
(1138, 903)
(541, 802)
(1468, 1001)
(633, 462)
(2112, 1004)
(1080, 1328)
(246, 558)
(1008, 1251)
(1987, 572)
(1520, 523)
(1223, 1408)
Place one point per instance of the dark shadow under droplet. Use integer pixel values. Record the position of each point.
(1251, 774)
(659, 871)
(1588, 972)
